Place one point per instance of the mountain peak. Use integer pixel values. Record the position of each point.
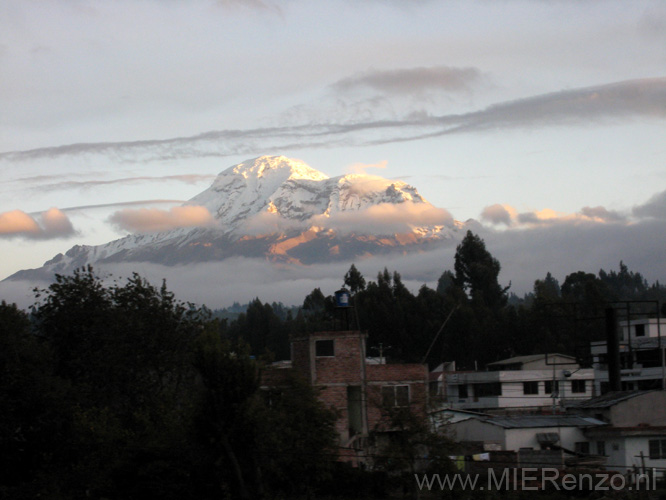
(281, 209)
(265, 166)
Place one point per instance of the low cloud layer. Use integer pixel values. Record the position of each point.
(525, 256)
(151, 220)
(655, 207)
(385, 218)
(506, 215)
(48, 225)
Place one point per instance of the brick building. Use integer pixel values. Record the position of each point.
(356, 387)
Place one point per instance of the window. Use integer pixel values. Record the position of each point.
(488, 389)
(325, 348)
(640, 330)
(395, 395)
(601, 448)
(462, 391)
(578, 386)
(657, 448)
(552, 386)
(531, 387)
(582, 447)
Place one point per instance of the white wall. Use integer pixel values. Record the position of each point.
(475, 430)
(526, 438)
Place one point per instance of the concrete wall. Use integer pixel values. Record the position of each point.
(513, 394)
(527, 438)
(624, 452)
(649, 408)
(476, 430)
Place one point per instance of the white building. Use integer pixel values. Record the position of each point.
(642, 357)
(523, 383)
(526, 432)
(636, 434)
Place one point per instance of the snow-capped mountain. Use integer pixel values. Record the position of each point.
(285, 211)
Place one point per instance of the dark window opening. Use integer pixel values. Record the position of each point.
(462, 391)
(395, 395)
(531, 387)
(582, 447)
(657, 448)
(578, 386)
(325, 348)
(488, 389)
(601, 448)
(552, 386)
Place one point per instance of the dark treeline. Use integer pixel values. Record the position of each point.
(487, 322)
(121, 392)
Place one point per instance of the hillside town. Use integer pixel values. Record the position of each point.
(535, 412)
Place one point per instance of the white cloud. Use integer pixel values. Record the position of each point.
(385, 218)
(499, 214)
(507, 215)
(150, 220)
(48, 225)
(360, 168)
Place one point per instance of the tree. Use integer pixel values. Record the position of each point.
(230, 379)
(315, 301)
(586, 289)
(625, 284)
(354, 280)
(124, 350)
(412, 447)
(35, 414)
(261, 328)
(295, 439)
(547, 289)
(477, 271)
(445, 281)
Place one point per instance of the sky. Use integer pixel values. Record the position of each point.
(542, 120)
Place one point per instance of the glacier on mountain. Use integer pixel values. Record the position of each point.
(281, 209)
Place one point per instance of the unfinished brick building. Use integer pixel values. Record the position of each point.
(359, 389)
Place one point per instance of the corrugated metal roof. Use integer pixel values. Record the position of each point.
(606, 400)
(528, 358)
(533, 421)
